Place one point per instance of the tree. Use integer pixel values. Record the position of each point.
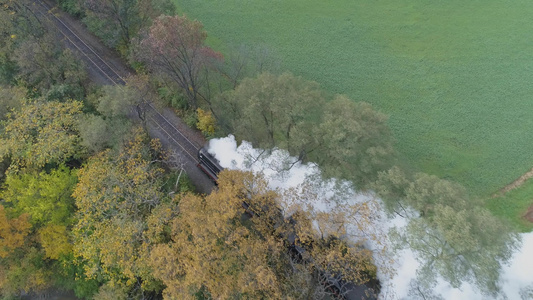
(120, 101)
(116, 101)
(341, 266)
(453, 235)
(25, 272)
(94, 133)
(527, 292)
(41, 133)
(460, 245)
(274, 111)
(70, 78)
(98, 133)
(54, 239)
(13, 232)
(114, 196)
(53, 72)
(17, 23)
(72, 7)
(246, 61)
(127, 184)
(222, 258)
(44, 196)
(392, 186)
(206, 122)
(7, 37)
(341, 231)
(118, 21)
(29, 56)
(112, 292)
(21, 263)
(354, 141)
(43, 201)
(33, 59)
(347, 139)
(175, 47)
(144, 94)
(10, 98)
(245, 255)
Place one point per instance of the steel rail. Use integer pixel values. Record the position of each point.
(115, 78)
(193, 157)
(76, 45)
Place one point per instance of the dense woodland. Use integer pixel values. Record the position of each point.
(91, 204)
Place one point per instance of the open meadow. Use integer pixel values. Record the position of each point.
(455, 77)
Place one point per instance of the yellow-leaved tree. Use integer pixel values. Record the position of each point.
(206, 122)
(115, 196)
(54, 239)
(41, 132)
(220, 250)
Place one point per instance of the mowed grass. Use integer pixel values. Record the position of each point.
(455, 77)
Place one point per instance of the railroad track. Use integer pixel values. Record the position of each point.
(152, 114)
(171, 131)
(91, 55)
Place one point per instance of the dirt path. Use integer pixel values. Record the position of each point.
(528, 216)
(515, 184)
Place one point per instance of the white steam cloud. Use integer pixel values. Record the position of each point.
(283, 172)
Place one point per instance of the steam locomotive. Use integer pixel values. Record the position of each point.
(209, 164)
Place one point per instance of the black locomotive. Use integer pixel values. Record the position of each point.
(208, 164)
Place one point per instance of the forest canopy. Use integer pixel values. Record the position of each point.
(90, 203)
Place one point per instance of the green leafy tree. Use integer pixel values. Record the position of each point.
(7, 38)
(43, 66)
(29, 55)
(21, 264)
(348, 139)
(70, 275)
(44, 196)
(248, 61)
(98, 133)
(112, 292)
(274, 111)
(94, 133)
(26, 272)
(453, 235)
(44, 201)
(17, 24)
(10, 99)
(118, 21)
(121, 101)
(116, 100)
(354, 141)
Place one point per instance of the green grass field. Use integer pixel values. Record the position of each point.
(455, 77)
(513, 205)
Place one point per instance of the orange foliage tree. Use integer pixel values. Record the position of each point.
(12, 232)
(221, 252)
